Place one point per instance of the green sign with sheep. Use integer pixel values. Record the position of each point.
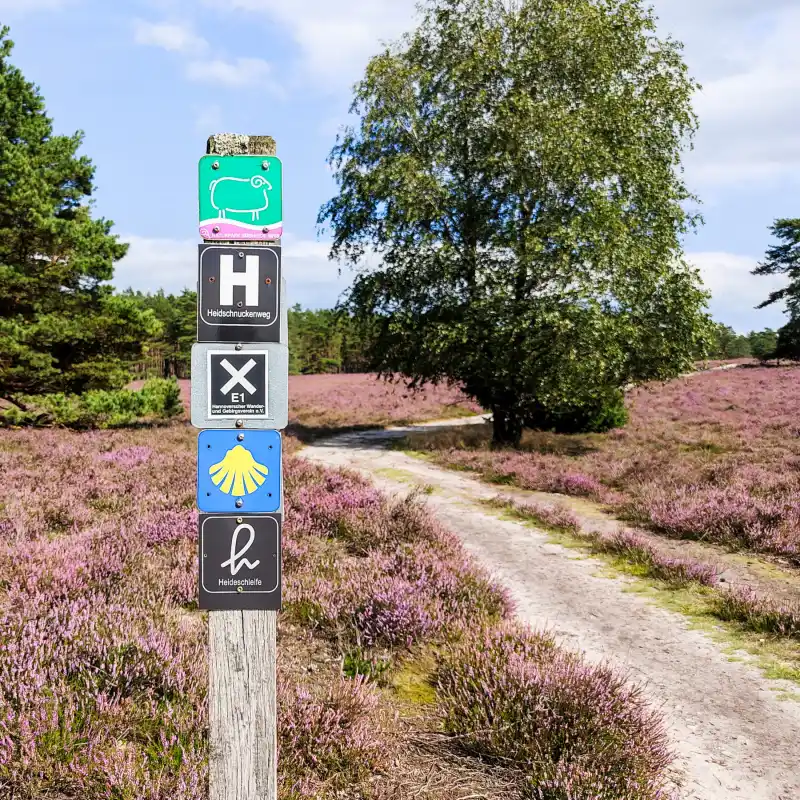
(240, 197)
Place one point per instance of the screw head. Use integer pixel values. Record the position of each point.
(215, 165)
(239, 304)
(239, 520)
(216, 229)
(239, 423)
(239, 346)
(265, 165)
(241, 255)
(239, 503)
(268, 281)
(240, 437)
(266, 230)
(239, 589)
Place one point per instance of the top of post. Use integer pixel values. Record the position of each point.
(240, 144)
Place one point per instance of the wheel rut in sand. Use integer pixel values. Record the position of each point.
(734, 737)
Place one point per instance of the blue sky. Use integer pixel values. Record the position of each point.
(149, 80)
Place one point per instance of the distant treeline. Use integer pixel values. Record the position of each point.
(328, 341)
(756, 344)
(319, 341)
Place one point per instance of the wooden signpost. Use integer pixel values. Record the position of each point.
(240, 400)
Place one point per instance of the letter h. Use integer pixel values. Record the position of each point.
(228, 279)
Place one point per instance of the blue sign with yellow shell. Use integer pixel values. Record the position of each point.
(239, 471)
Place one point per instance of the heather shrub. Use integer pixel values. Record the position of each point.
(330, 741)
(637, 551)
(375, 571)
(391, 612)
(756, 613)
(576, 730)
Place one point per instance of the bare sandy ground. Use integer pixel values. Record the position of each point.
(733, 736)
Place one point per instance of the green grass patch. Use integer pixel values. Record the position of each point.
(413, 682)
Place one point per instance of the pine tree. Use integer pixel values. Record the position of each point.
(61, 327)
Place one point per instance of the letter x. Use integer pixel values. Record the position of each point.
(238, 376)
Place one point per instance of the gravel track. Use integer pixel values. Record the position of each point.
(734, 737)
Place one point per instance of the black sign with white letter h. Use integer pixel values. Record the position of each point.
(238, 294)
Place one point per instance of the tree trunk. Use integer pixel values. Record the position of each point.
(507, 428)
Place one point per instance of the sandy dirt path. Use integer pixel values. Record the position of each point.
(734, 737)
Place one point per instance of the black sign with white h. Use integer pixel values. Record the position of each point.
(237, 384)
(238, 294)
(240, 562)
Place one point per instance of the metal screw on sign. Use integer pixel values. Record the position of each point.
(239, 423)
(239, 346)
(216, 229)
(215, 165)
(240, 437)
(266, 230)
(265, 165)
(239, 589)
(241, 255)
(239, 503)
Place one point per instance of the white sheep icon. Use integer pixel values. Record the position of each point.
(225, 192)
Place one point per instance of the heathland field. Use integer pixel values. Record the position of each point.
(402, 672)
(714, 456)
(391, 642)
(325, 403)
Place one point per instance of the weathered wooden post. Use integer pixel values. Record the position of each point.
(240, 397)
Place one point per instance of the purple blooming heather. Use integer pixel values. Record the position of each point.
(330, 741)
(575, 730)
(128, 457)
(712, 456)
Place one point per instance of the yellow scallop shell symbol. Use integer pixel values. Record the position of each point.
(238, 473)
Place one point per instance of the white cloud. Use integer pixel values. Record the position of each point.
(735, 292)
(173, 36)
(171, 264)
(744, 52)
(745, 55)
(335, 41)
(234, 74)
(151, 264)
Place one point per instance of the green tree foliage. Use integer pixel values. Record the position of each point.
(178, 330)
(60, 329)
(516, 168)
(784, 259)
(98, 408)
(726, 343)
(327, 341)
(788, 345)
(762, 343)
(323, 340)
